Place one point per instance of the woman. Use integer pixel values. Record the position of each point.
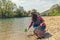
(38, 25)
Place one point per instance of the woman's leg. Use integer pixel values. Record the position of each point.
(41, 32)
(35, 31)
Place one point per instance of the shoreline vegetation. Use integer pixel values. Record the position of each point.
(9, 9)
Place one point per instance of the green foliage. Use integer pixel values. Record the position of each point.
(53, 11)
(9, 9)
(6, 8)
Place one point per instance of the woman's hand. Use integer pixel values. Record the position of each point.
(41, 24)
(28, 28)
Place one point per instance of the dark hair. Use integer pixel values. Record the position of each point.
(34, 16)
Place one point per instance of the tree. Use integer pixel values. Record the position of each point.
(6, 8)
(53, 11)
(20, 12)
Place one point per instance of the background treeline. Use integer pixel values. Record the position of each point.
(9, 9)
(53, 11)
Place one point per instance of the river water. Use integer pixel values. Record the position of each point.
(13, 28)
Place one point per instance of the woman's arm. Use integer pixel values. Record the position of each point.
(42, 21)
(30, 25)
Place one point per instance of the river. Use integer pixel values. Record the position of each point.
(13, 28)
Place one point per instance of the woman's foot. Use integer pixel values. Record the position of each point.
(38, 38)
(43, 37)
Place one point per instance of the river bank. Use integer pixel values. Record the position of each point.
(11, 29)
(52, 27)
